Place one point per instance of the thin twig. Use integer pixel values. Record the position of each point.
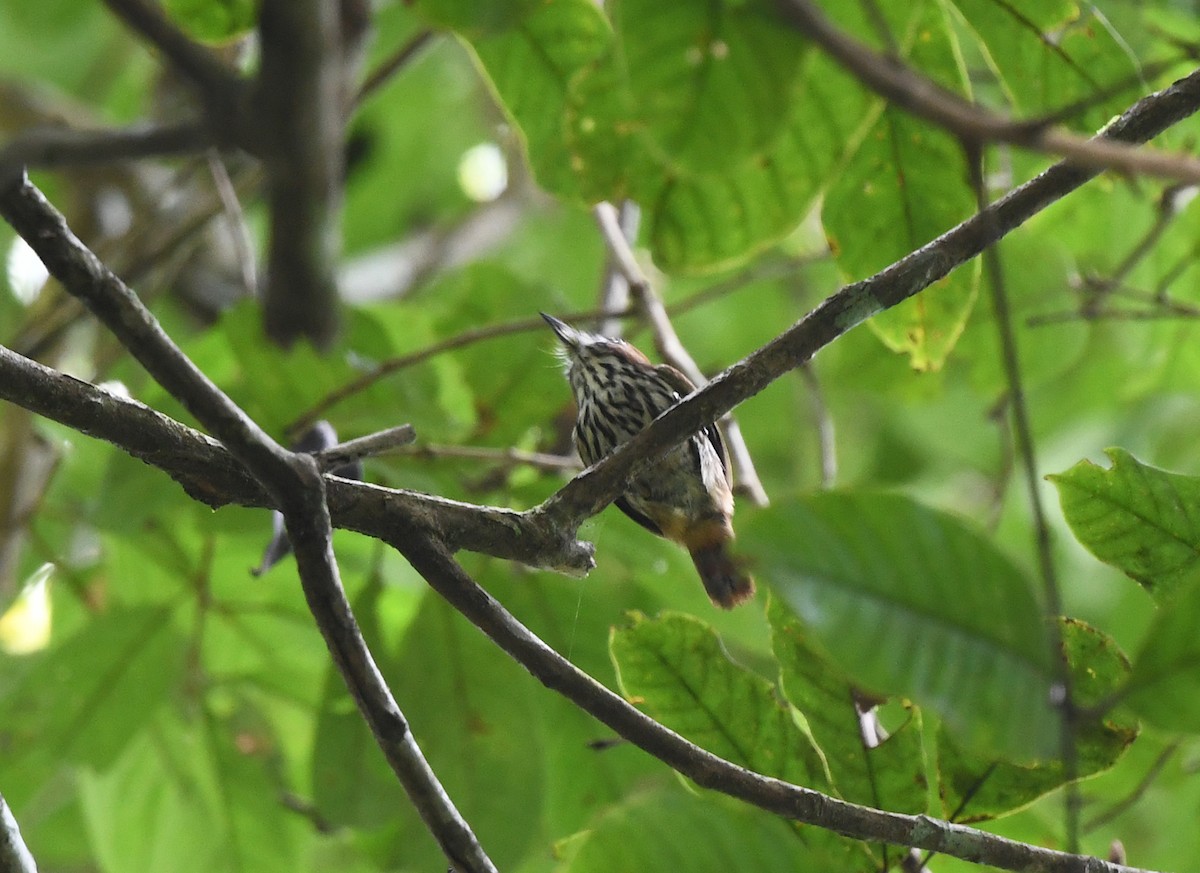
(826, 435)
(1023, 437)
(387, 70)
(672, 350)
(400, 362)
(926, 99)
(367, 446)
(1102, 818)
(238, 228)
(614, 286)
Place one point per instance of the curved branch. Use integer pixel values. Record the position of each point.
(970, 122)
(449, 579)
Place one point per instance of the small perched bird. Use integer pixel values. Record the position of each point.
(686, 496)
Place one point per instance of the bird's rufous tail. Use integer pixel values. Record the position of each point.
(727, 583)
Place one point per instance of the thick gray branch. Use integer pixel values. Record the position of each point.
(209, 473)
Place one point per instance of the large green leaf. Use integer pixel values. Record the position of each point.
(975, 787)
(904, 186)
(676, 669)
(672, 830)
(721, 122)
(212, 795)
(1141, 520)
(532, 64)
(912, 601)
(85, 699)
(715, 117)
(1048, 54)
(890, 775)
(1165, 686)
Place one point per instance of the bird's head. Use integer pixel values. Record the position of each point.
(591, 360)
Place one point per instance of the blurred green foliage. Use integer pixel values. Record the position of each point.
(185, 716)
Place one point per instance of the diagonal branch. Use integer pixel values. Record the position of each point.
(449, 579)
(218, 84)
(596, 487)
(295, 486)
(14, 854)
(970, 122)
(210, 474)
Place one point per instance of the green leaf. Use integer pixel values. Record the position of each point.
(215, 806)
(709, 83)
(976, 787)
(677, 670)
(1141, 520)
(672, 830)
(1048, 54)
(471, 713)
(912, 601)
(1165, 686)
(86, 698)
(888, 776)
(531, 64)
(722, 123)
(213, 20)
(904, 186)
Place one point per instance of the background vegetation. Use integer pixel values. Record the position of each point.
(161, 708)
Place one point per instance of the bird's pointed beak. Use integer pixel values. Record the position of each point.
(564, 331)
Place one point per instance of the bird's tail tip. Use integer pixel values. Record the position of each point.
(725, 579)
